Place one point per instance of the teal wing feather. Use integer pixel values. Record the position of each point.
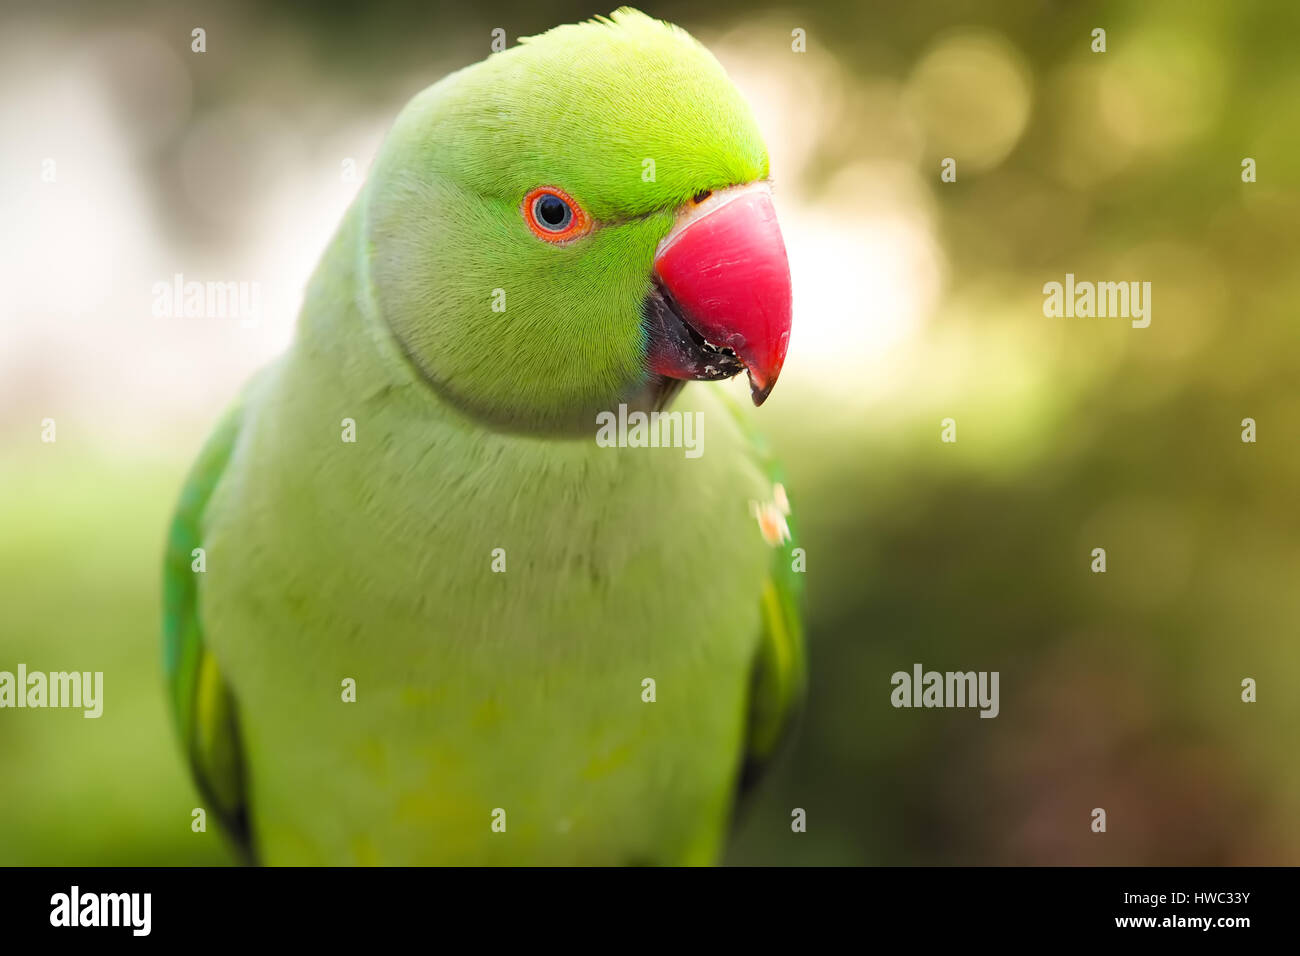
(202, 705)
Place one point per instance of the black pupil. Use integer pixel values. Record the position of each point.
(553, 211)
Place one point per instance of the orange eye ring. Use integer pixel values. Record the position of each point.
(554, 216)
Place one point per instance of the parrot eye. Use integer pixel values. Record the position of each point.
(554, 215)
(552, 212)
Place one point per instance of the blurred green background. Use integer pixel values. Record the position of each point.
(915, 301)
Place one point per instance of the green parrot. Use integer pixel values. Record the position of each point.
(417, 610)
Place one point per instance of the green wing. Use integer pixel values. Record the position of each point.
(780, 665)
(779, 680)
(201, 703)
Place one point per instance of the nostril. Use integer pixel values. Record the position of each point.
(702, 195)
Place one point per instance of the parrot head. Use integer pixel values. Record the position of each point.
(581, 220)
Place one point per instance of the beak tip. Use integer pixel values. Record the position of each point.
(759, 395)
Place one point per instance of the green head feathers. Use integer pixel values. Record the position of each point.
(630, 117)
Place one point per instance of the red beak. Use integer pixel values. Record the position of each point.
(725, 273)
